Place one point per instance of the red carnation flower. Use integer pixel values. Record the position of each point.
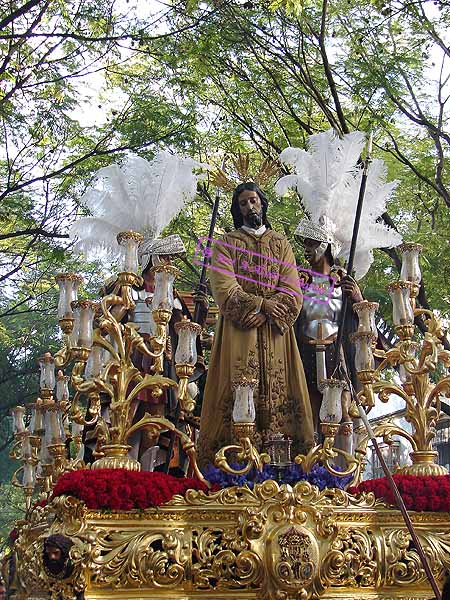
(119, 489)
(418, 493)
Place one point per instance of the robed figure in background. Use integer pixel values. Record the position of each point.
(254, 282)
(318, 324)
(327, 177)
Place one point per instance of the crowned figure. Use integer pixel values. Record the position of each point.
(254, 282)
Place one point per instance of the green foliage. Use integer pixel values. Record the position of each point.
(13, 508)
(208, 80)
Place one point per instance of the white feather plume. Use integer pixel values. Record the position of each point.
(328, 178)
(139, 195)
(323, 173)
(284, 184)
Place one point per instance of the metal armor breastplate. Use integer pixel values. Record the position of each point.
(142, 314)
(320, 308)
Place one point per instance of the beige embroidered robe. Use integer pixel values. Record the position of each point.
(268, 353)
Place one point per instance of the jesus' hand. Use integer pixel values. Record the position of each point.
(254, 320)
(274, 309)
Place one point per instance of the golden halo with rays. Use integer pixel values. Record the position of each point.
(243, 171)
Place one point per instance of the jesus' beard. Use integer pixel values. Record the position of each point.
(254, 220)
(55, 566)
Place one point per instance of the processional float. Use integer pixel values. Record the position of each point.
(261, 540)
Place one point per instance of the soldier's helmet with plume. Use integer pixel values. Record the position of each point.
(141, 196)
(328, 178)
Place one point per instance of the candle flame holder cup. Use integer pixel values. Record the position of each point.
(244, 428)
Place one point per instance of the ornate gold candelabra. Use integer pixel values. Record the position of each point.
(244, 430)
(101, 350)
(119, 380)
(330, 421)
(26, 450)
(42, 445)
(418, 363)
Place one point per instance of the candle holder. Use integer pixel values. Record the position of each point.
(130, 240)
(142, 315)
(83, 336)
(65, 354)
(365, 365)
(185, 360)
(163, 298)
(25, 479)
(331, 407)
(25, 449)
(62, 397)
(330, 417)
(62, 388)
(76, 311)
(19, 419)
(364, 357)
(47, 379)
(366, 316)
(403, 313)
(162, 306)
(68, 292)
(244, 430)
(36, 423)
(410, 270)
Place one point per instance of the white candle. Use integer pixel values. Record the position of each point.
(331, 407)
(244, 406)
(18, 414)
(47, 367)
(130, 240)
(186, 352)
(62, 387)
(87, 313)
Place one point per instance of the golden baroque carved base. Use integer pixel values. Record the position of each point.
(270, 543)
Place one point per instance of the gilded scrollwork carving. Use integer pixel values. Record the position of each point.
(222, 559)
(271, 542)
(352, 560)
(124, 558)
(402, 561)
(232, 496)
(403, 565)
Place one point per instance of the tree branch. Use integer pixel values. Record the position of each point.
(19, 12)
(35, 231)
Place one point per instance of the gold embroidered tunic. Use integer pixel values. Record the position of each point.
(245, 270)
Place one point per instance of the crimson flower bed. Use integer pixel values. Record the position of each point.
(119, 489)
(419, 493)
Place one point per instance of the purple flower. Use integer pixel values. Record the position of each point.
(318, 476)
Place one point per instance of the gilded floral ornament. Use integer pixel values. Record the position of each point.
(273, 541)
